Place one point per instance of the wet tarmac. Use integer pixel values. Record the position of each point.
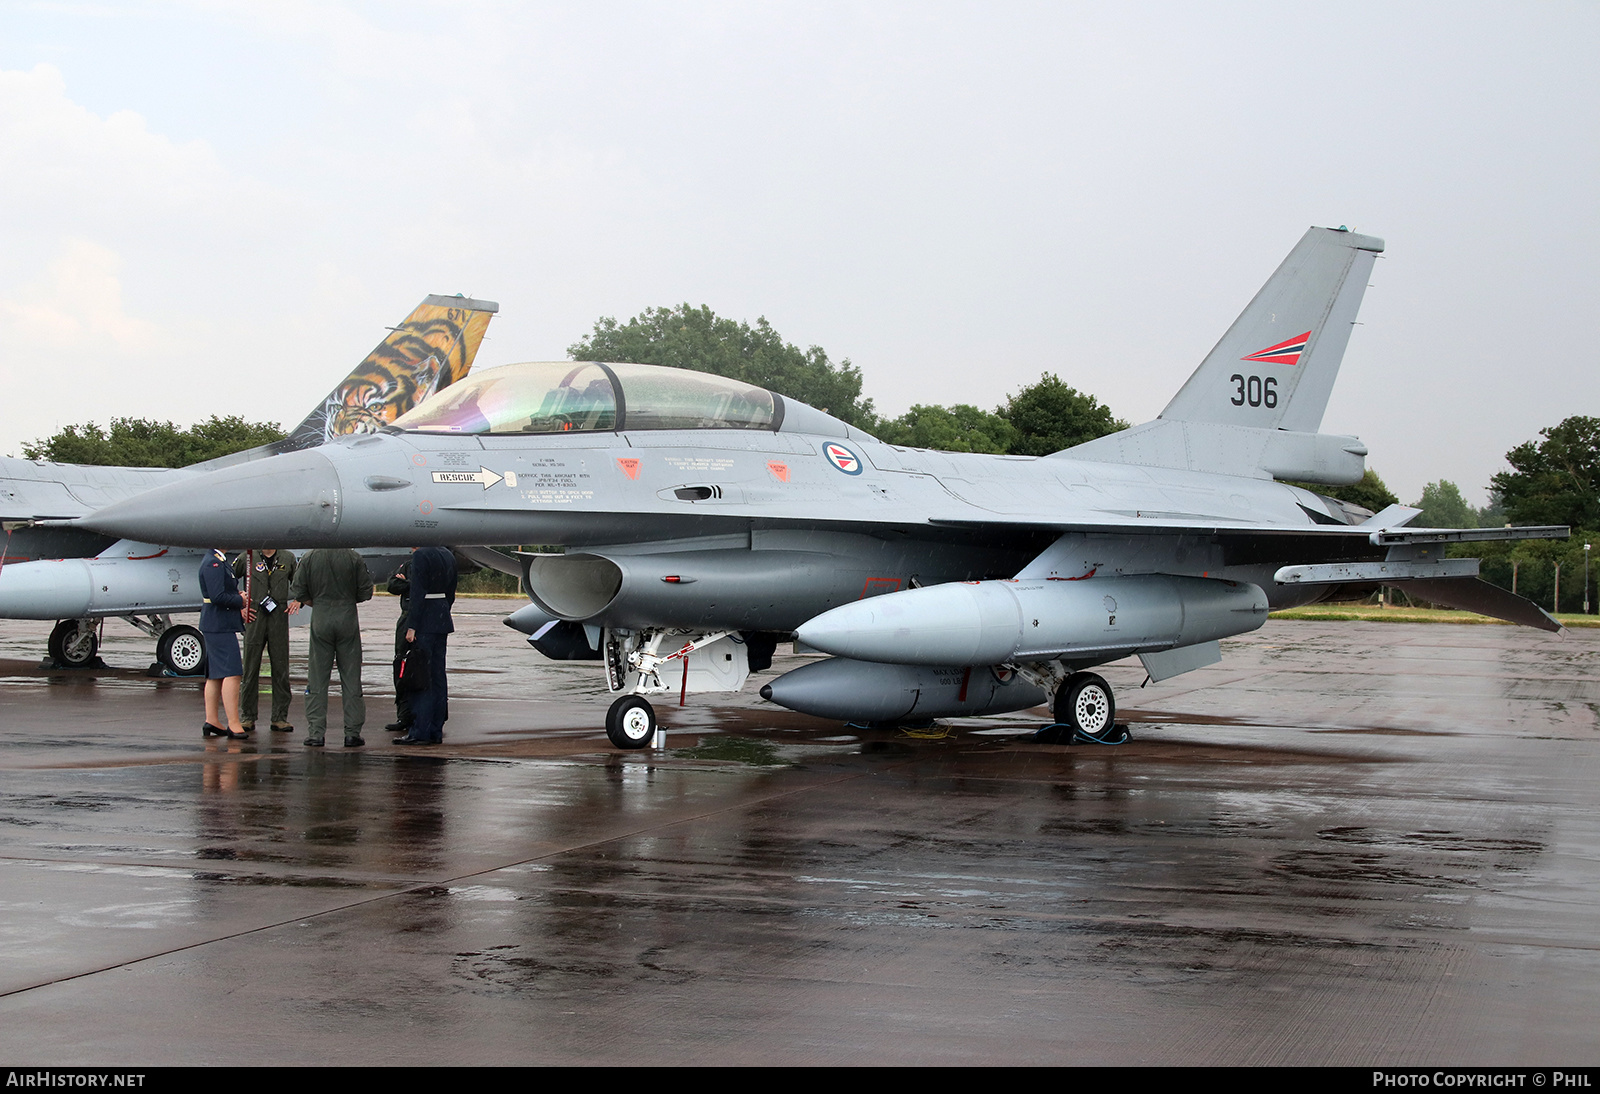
(1349, 843)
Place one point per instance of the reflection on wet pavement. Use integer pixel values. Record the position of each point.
(1347, 843)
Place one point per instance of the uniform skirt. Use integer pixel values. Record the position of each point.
(222, 655)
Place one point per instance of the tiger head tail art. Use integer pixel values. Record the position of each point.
(432, 349)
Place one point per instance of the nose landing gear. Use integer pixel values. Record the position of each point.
(631, 722)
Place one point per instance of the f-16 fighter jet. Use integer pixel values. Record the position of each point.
(704, 519)
(81, 578)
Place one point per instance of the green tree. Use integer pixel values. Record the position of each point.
(138, 442)
(1533, 562)
(1493, 515)
(696, 338)
(1049, 416)
(1557, 480)
(959, 428)
(1443, 507)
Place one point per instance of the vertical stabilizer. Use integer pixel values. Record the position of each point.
(432, 349)
(1275, 367)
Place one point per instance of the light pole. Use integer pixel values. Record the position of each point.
(1585, 579)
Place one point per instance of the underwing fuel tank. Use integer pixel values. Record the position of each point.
(856, 691)
(76, 588)
(994, 622)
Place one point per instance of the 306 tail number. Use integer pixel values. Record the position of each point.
(1255, 390)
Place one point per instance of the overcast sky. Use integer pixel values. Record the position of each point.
(217, 207)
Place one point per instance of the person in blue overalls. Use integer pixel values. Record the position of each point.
(428, 624)
(222, 617)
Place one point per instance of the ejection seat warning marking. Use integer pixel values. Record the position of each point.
(483, 475)
(630, 467)
(780, 471)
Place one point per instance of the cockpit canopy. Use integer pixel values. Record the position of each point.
(571, 396)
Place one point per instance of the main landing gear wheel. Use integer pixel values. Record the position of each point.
(631, 722)
(1085, 705)
(182, 651)
(73, 643)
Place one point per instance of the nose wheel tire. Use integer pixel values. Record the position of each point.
(631, 722)
(73, 643)
(182, 650)
(1085, 703)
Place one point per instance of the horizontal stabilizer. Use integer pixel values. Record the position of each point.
(1392, 516)
(1471, 595)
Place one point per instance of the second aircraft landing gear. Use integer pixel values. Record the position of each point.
(631, 722)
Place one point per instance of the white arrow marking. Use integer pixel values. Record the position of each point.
(483, 474)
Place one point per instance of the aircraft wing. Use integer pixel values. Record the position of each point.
(41, 490)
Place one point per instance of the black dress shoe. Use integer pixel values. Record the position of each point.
(313, 742)
(409, 740)
(235, 736)
(397, 727)
(209, 730)
(354, 742)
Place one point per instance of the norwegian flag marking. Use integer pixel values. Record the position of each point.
(1286, 352)
(842, 458)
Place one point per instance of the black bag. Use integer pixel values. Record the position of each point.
(411, 671)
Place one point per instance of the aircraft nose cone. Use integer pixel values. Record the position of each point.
(292, 500)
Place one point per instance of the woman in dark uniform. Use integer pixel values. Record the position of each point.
(221, 619)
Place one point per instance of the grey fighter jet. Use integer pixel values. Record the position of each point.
(82, 578)
(705, 519)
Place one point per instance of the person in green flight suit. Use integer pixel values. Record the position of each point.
(267, 573)
(333, 581)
